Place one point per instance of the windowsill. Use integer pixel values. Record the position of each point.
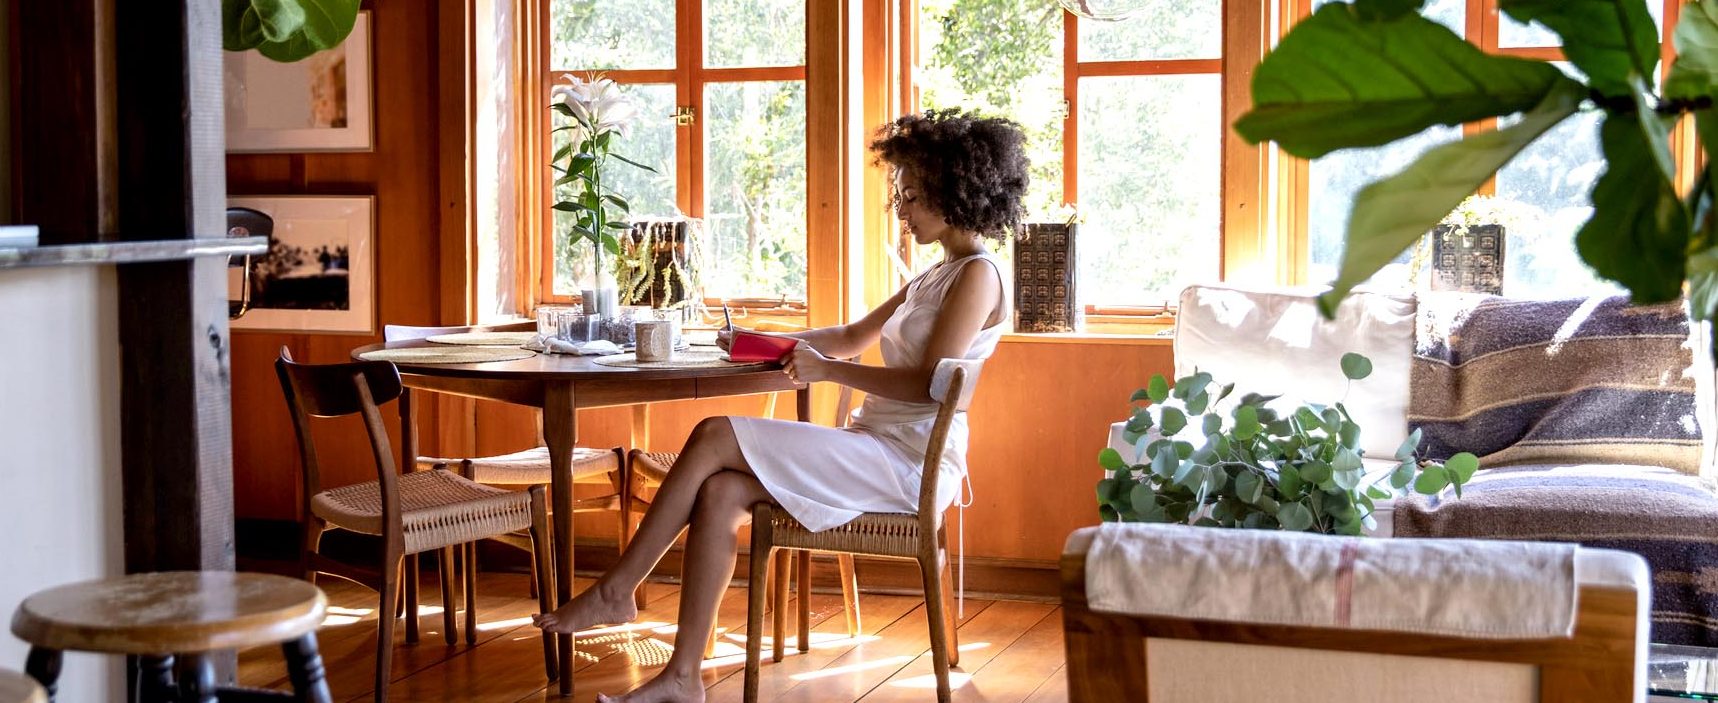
(1137, 340)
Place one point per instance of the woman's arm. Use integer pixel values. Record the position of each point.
(971, 303)
(841, 341)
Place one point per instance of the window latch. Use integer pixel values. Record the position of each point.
(1062, 109)
(685, 115)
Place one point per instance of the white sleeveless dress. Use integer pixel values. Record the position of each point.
(825, 476)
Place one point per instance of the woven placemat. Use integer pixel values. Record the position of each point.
(694, 358)
(446, 355)
(484, 339)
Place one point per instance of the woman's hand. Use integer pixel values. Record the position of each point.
(724, 339)
(806, 365)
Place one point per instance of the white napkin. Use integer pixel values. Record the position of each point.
(594, 347)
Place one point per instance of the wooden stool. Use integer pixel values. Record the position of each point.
(18, 688)
(188, 614)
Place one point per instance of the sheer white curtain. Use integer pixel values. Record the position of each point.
(496, 158)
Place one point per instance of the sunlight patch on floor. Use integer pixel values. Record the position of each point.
(850, 668)
(972, 646)
(819, 640)
(956, 679)
(503, 624)
(652, 625)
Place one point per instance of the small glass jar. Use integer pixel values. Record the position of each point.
(549, 319)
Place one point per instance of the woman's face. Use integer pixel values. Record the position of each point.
(915, 211)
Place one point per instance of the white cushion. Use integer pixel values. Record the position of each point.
(1277, 343)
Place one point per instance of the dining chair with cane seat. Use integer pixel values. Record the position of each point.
(653, 467)
(920, 536)
(412, 512)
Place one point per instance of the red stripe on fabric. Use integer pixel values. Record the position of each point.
(1345, 582)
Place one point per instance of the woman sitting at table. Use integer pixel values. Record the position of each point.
(958, 178)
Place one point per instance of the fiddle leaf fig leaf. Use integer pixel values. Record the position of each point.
(1608, 40)
(1695, 72)
(1341, 80)
(326, 24)
(1393, 213)
(1638, 234)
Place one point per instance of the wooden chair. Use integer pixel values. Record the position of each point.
(907, 536)
(527, 468)
(1121, 657)
(158, 617)
(653, 467)
(413, 513)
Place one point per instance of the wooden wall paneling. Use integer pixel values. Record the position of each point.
(1250, 252)
(403, 173)
(63, 104)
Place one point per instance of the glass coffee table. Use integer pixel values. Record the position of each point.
(1682, 673)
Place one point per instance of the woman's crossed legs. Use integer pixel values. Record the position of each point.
(711, 490)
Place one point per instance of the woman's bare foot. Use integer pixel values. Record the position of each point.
(665, 688)
(593, 607)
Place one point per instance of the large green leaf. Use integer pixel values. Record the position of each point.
(1339, 81)
(1638, 234)
(1609, 40)
(1391, 214)
(326, 25)
(1695, 72)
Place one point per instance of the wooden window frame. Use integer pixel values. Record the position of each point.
(828, 161)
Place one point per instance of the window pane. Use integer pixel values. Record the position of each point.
(1001, 59)
(651, 143)
(1511, 33)
(754, 189)
(754, 33)
(600, 34)
(1449, 13)
(1543, 196)
(1191, 29)
(1332, 183)
(1150, 156)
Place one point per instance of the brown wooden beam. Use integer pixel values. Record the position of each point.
(175, 420)
(62, 75)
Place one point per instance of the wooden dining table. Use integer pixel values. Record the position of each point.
(560, 385)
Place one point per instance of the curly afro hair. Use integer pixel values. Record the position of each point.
(972, 169)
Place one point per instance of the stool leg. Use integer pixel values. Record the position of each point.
(199, 683)
(157, 683)
(803, 594)
(304, 667)
(43, 665)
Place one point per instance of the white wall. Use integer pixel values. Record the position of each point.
(60, 501)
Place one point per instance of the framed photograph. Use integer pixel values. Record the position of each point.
(319, 274)
(319, 104)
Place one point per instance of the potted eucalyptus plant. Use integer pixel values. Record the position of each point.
(1255, 465)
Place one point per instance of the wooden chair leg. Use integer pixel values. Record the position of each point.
(783, 570)
(625, 486)
(449, 608)
(936, 615)
(950, 624)
(850, 593)
(469, 569)
(755, 598)
(803, 593)
(710, 643)
(391, 569)
(411, 600)
(545, 575)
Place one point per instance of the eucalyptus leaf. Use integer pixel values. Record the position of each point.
(1350, 435)
(1315, 472)
(1249, 487)
(1608, 40)
(1139, 395)
(1224, 392)
(1157, 390)
(1356, 366)
(1409, 446)
(1294, 517)
(1402, 475)
(1432, 479)
(1638, 234)
(1165, 464)
(1106, 488)
(1391, 214)
(1461, 467)
(1111, 459)
(1246, 422)
(1172, 421)
(1211, 423)
(1197, 404)
(1340, 81)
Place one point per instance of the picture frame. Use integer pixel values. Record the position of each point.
(319, 273)
(321, 103)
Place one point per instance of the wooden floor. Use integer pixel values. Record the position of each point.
(1010, 651)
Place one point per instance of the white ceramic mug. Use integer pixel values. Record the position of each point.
(655, 339)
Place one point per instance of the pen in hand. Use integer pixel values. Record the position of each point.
(727, 320)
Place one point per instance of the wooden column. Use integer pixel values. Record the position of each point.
(62, 103)
(171, 183)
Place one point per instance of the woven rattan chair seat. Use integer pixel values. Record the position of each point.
(531, 466)
(437, 509)
(654, 466)
(880, 534)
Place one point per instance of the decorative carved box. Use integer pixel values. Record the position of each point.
(1044, 298)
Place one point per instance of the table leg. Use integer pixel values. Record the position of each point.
(560, 432)
(641, 426)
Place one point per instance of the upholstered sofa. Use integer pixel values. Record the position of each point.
(1274, 341)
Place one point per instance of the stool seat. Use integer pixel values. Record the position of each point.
(176, 612)
(15, 687)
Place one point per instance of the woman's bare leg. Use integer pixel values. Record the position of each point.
(724, 504)
(712, 448)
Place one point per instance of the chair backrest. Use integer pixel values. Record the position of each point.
(340, 390)
(952, 385)
(401, 333)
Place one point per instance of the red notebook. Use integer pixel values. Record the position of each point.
(747, 346)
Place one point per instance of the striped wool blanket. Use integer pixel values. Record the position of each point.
(1586, 380)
